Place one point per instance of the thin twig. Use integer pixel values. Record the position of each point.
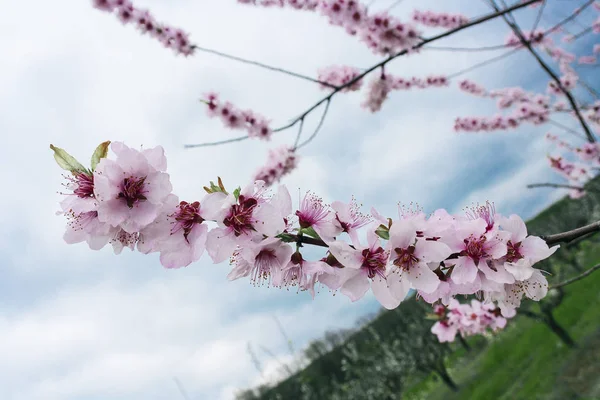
(549, 71)
(539, 16)
(261, 65)
(285, 336)
(299, 133)
(577, 278)
(237, 139)
(566, 128)
(181, 389)
(483, 63)
(473, 49)
(572, 16)
(583, 33)
(318, 128)
(554, 185)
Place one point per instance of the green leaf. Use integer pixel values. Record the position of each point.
(310, 232)
(100, 153)
(383, 232)
(216, 188)
(236, 192)
(286, 237)
(67, 162)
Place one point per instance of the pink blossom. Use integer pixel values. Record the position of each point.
(378, 91)
(475, 246)
(281, 162)
(256, 125)
(173, 38)
(263, 261)
(313, 213)
(364, 268)
(132, 189)
(340, 75)
(247, 218)
(179, 233)
(409, 257)
(472, 87)
(439, 20)
(587, 60)
(347, 218)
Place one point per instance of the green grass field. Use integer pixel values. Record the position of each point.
(527, 361)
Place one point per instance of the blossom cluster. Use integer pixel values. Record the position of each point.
(439, 20)
(128, 202)
(255, 124)
(340, 75)
(170, 37)
(382, 85)
(525, 107)
(281, 161)
(382, 32)
(537, 37)
(577, 173)
(472, 87)
(466, 319)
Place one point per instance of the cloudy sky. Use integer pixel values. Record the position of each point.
(78, 324)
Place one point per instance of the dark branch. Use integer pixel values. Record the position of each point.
(554, 185)
(575, 279)
(367, 71)
(474, 22)
(566, 237)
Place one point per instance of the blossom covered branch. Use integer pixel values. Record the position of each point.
(128, 202)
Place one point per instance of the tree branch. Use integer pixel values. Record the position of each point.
(566, 237)
(261, 65)
(404, 52)
(337, 89)
(577, 278)
(549, 71)
(554, 185)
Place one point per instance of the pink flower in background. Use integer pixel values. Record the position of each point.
(439, 20)
(256, 125)
(173, 38)
(587, 60)
(132, 189)
(378, 91)
(282, 161)
(339, 75)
